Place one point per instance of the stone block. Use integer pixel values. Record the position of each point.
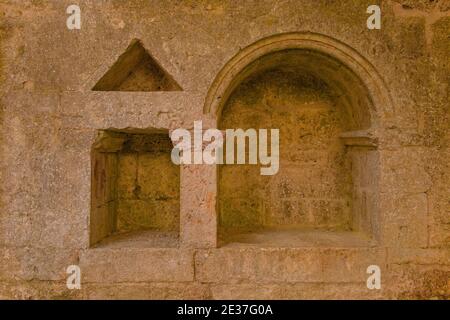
(286, 265)
(198, 217)
(406, 221)
(136, 265)
(403, 171)
(298, 291)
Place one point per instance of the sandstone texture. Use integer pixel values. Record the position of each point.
(86, 176)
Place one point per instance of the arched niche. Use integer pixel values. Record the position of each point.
(342, 65)
(295, 82)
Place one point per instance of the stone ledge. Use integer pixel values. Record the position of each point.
(286, 265)
(136, 265)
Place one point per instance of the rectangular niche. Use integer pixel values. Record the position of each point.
(135, 189)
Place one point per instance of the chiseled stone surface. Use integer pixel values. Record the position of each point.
(395, 196)
(143, 291)
(137, 265)
(304, 291)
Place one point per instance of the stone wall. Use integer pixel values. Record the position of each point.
(313, 187)
(135, 185)
(144, 68)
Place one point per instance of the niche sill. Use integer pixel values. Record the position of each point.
(141, 239)
(298, 238)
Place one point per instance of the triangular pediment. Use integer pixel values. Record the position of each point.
(136, 70)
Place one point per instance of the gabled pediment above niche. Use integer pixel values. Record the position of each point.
(136, 70)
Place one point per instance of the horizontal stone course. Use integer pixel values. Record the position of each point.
(286, 265)
(109, 265)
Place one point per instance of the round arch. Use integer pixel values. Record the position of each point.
(331, 55)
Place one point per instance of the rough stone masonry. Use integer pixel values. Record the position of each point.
(87, 179)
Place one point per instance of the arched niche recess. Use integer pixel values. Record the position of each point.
(328, 103)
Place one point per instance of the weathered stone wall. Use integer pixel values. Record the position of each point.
(313, 187)
(50, 120)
